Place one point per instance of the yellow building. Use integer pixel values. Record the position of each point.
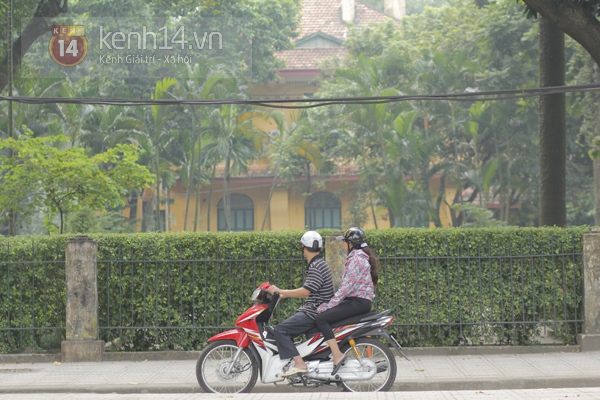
(323, 28)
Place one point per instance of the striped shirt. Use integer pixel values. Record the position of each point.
(320, 285)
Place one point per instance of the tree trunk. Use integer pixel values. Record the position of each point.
(437, 219)
(574, 19)
(374, 215)
(62, 220)
(157, 194)
(226, 203)
(34, 29)
(308, 209)
(210, 195)
(262, 228)
(552, 127)
(190, 179)
(199, 175)
(596, 161)
(167, 208)
(147, 208)
(597, 191)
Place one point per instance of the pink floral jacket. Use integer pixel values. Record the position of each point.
(356, 281)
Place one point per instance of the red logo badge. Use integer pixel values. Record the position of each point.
(68, 46)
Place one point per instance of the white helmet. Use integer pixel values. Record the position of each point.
(312, 241)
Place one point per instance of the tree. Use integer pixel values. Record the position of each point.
(579, 20)
(552, 127)
(42, 175)
(159, 123)
(576, 18)
(44, 10)
(198, 85)
(236, 142)
(285, 140)
(450, 49)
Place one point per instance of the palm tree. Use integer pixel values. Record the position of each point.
(236, 142)
(159, 121)
(73, 116)
(285, 140)
(107, 126)
(368, 123)
(198, 85)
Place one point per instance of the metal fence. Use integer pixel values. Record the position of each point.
(178, 303)
(32, 299)
(489, 295)
(486, 295)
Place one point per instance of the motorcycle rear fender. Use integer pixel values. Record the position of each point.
(381, 332)
(238, 335)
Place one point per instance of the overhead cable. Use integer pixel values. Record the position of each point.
(299, 103)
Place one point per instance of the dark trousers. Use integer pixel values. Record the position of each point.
(286, 331)
(347, 308)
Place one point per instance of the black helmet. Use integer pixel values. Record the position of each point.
(356, 236)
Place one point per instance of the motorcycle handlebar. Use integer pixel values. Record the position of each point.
(274, 300)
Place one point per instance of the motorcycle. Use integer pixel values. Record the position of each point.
(233, 359)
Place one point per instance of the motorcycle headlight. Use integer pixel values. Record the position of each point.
(255, 294)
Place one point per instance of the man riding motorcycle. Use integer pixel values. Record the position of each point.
(317, 289)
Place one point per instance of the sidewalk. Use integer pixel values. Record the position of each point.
(422, 373)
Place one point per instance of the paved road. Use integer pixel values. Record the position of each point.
(529, 394)
(491, 376)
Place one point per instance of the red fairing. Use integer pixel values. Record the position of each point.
(240, 337)
(248, 318)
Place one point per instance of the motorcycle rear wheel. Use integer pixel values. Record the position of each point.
(216, 359)
(383, 358)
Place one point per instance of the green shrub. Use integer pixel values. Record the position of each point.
(174, 290)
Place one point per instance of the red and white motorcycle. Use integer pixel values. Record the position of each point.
(233, 359)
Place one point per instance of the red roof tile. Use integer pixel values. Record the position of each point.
(308, 58)
(325, 16)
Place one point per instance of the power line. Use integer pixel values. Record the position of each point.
(300, 103)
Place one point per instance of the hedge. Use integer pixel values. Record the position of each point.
(174, 290)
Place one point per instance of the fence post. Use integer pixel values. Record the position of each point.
(590, 338)
(82, 342)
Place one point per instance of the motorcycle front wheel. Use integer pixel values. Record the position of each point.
(218, 372)
(384, 360)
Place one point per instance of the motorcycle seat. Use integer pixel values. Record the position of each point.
(370, 316)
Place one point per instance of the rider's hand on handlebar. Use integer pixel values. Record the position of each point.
(273, 289)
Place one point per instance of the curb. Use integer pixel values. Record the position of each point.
(194, 355)
(470, 384)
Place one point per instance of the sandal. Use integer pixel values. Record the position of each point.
(294, 371)
(337, 367)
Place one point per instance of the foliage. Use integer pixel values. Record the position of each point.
(174, 290)
(453, 46)
(478, 286)
(477, 215)
(33, 292)
(591, 6)
(476, 148)
(62, 180)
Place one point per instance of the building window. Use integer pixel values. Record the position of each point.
(133, 206)
(241, 216)
(323, 210)
(418, 220)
